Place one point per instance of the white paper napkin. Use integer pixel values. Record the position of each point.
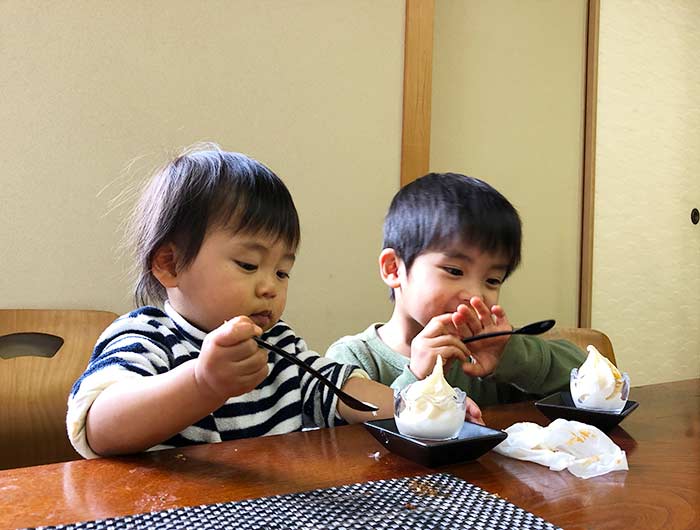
(584, 450)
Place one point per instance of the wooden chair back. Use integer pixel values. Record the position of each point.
(582, 337)
(34, 389)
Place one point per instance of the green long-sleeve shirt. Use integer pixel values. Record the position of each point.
(530, 367)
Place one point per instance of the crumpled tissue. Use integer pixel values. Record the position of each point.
(583, 449)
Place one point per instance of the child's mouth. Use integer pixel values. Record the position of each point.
(262, 319)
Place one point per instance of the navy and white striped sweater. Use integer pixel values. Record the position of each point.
(151, 341)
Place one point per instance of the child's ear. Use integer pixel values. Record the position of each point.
(164, 265)
(389, 264)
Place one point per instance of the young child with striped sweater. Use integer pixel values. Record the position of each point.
(215, 235)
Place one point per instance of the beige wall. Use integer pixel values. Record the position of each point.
(95, 94)
(646, 262)
(508, 96)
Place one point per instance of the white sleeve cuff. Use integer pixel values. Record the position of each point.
(79, 404)
(360, 373)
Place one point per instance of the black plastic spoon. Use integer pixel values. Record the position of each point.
(350, 401)
(531, 329)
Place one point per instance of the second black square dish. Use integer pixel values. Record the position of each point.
(561, 405)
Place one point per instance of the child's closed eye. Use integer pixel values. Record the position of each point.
(246, 266)
(282, 275)
(494, 282)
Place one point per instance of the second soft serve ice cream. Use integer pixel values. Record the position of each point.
(598, 384)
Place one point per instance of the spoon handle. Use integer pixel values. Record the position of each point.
(536, 328)
(489, 335)
(350, 401)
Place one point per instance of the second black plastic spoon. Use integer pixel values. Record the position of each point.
(531, 329)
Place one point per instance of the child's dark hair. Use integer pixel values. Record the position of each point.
(439, 209)
(200, 190)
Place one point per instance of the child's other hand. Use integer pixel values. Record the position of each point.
(230, 363)
(439, 337)
(473, 412)
(475, 319)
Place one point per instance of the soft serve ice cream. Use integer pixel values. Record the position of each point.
(430, 408)
(598, 384)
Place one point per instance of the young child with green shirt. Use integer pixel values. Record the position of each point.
(450, 241)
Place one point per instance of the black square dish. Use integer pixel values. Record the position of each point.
(472, 442)
(561, 405)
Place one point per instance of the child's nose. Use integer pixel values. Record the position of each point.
(266, 287)
(468, 290)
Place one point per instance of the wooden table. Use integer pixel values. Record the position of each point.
(660, 490)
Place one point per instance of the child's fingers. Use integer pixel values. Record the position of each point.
(474, 368)
(252, 364)
(438, 326)
(460, 320)
(452, 345)
(235, 331)
(445, 347)
(233, 370)
(450, 352)
(471, 319)
(499, 315)
(253, 378)
(473, 412)
(424, 352)
(482, 310)
(243, 383)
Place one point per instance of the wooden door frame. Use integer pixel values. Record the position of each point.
(415, 137)
(589, 144)
(417, 89)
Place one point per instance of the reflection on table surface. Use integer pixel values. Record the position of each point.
(660, 490)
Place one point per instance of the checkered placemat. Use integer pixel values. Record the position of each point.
(438, 501)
